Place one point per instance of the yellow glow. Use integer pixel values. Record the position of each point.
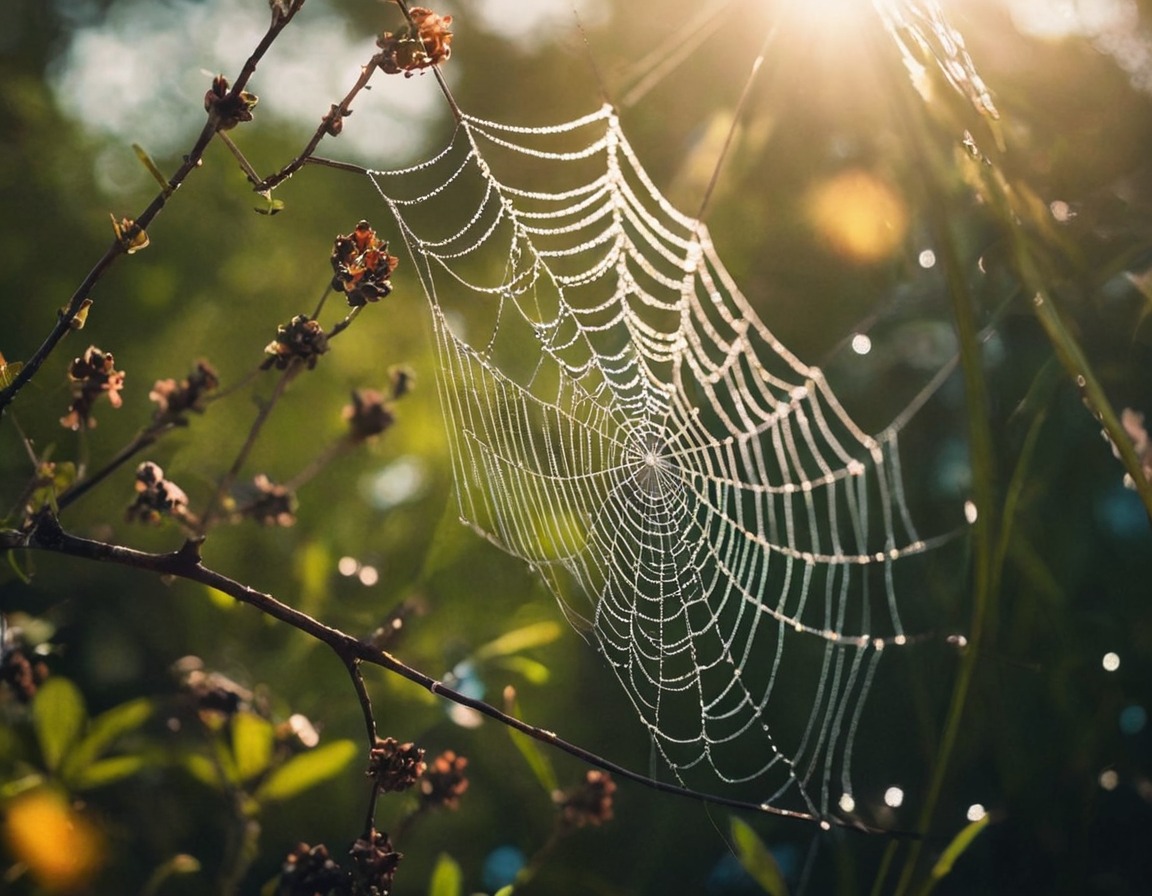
(831, 15)
(59, 846)
(858, 215)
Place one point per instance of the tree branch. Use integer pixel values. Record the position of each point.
(46, 534)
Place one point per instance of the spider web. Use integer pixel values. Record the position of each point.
(696, 497)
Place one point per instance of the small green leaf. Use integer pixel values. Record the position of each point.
(307, 770)
(532, 671)
(59, 716)
(447, 880)
(181, 863)
(756, 859)
(271, 207)
(146, 161)
(8, 372)
(536, 758)
(103, 731)
(957, 847)
(535, 635)
(107, 771)
(504, 891)
(202, 769)
(252, 741)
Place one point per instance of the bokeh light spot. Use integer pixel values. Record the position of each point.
(1110, 662)
(894, 797)
(975, 812)
(859, 215)
(1109, 780)
(927, 259)
(861, 344)
(1133, 719)
(58, 845)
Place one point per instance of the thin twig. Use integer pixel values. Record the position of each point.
(329, 125)
(142, 440)
(262, 415)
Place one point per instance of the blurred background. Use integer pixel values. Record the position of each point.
(823, 212)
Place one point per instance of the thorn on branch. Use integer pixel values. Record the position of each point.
(189, 552)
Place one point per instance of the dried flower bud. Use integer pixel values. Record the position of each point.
(402, 381)
(174, 398)
(92, 375)
(309, 870)
(374, 863)
(21, 671)
(156, 497)
(368, 415)
(1133, 423)
(395, 766)
(444, 782)
(212, 692)
(224, 107)
(588, 803)
(362, 266)
(131, 237)
(301, 338)
(420, 45)
(270, 504)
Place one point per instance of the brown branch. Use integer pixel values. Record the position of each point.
(185, 563)
(330, 124)
(281, 16)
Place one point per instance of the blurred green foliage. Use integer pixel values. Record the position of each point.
(1055, 747)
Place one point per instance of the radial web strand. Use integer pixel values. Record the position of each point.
(695, 496)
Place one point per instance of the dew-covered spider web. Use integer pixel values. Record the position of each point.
(694, 494)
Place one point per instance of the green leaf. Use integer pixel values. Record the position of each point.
(449, 542)
(8, 372)
(531, 670)
(447, 880)
(252, 740)
(958, 846)
(202, 769)
(535, 635)
(536, 758)
(146, 161)
(103, 731)
(307, 770)
(504, 891)
(59, 716)
(271, 206)
(313, 564)
(756, 859)
(107, 771)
